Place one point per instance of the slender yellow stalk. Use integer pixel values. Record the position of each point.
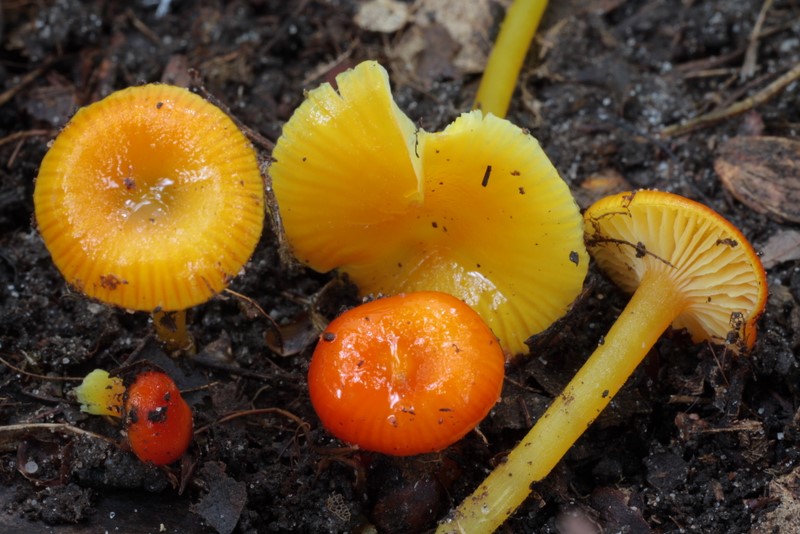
(507, 55)
(171, 330)
(653, 307)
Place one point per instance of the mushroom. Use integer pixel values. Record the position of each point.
(101, 394)
(686, 267)
(157, 419)
(507, 55)
(407, 374)
(477, 210)
(150, 199)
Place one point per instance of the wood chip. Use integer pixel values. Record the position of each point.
(780, 248)
(763, 173)
(383, 16)
(598, 185)
(786, 516)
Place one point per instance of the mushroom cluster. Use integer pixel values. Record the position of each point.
(476, 211)
(470, 231)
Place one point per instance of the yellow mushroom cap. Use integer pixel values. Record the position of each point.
(150, 199)
(713, 264)
(101, 394)
(477, 210)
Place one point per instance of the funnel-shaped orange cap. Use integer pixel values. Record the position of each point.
(150, 199)
(477, 211)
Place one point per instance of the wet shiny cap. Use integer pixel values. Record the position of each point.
(407, 374)
(150, 198)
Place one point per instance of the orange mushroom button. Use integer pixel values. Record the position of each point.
(158, 420)
(407, 374)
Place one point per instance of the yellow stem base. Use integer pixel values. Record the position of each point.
(649, 313)
(172, 332)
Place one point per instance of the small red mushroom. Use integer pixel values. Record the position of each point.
(158, 420)
(407, 374)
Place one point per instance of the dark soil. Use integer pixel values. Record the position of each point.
(698, 441)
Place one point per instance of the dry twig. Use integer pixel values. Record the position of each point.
(751, 56)
(736, 109)
(10, 435)
(9, 93)
(23, 135)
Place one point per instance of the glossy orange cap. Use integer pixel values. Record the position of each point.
(157, 419)
(150, 199)
(407, 374)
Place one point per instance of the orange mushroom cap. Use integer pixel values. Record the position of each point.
(150, 199)
(407, 374)
(158, 420)
(712, 264)
(477, 210)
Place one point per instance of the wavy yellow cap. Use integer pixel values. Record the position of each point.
(477, 210)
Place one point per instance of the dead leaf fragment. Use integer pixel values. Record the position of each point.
(763, 173)
(781, 247)
(786, 516)
(384, 16)
(619, 510)
(602, 183)
(446, 37)
(467, 23)
(225, 500)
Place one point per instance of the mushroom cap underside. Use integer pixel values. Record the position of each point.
(477, 210)
(150, 199)
(705, 256)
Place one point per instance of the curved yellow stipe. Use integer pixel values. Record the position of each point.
(507, 55)
(682, 259)
(150, 199)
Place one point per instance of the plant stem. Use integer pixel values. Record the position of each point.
(507, 56)
(652, 308)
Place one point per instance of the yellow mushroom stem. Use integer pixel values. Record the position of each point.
(172, 332)
(507, 55)
(654, 306)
